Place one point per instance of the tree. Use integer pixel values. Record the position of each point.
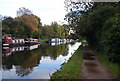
(66, 29)
(95, 21)
(30, 24)
(110, 38)
(23, 11)
(56, 30)
(99, 25)
(6, 24)
(75, 9)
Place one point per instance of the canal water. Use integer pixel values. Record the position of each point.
(35, 62)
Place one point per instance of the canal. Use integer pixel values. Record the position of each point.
(35, 62)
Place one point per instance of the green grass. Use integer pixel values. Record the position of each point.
(114, 68)
(42, 40)
(72, 69)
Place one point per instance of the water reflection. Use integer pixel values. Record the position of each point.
(40, 60)
(6, 51)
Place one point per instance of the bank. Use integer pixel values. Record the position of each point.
(72, 69)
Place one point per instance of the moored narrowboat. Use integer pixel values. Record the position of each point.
(8, 41)
(31, 41)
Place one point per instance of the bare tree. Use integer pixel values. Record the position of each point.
(23, 11)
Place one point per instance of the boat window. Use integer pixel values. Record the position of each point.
(8, 38)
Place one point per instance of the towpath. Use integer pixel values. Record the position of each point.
(92, 68)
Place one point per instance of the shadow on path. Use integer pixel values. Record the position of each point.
(92, 68)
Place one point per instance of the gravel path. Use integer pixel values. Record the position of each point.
(92, 68)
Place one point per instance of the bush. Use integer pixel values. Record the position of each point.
(111, 38)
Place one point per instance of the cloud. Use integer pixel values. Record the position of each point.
(47, 10)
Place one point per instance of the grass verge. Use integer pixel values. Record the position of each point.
(70, 70)
(114, 68)
(42, 40)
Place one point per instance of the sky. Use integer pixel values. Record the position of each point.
(47, 10)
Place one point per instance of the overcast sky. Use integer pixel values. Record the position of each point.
(47, 10)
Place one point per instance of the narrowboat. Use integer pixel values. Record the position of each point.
(8, 41)
(31, 41)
